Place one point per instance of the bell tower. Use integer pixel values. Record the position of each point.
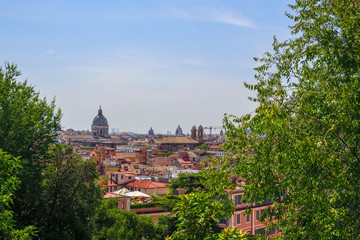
(193, 133)
(201, 133)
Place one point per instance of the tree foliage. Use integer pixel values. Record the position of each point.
(166, 226)
(56, 190)
(189, 182)
(303, 139)
(232, 234)
(198, 213)
(8, 185)
(69, 195)
(28, 125)
(113, 223)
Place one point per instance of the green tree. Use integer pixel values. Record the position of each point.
(232, 234)
(191, 182)
(27, 127)
(166, 226)
(304, 137)
(8, 184)
(113, 223)
(204, 147)
(198, 213)
(69, 195)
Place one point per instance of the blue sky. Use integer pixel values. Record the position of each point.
(155, 63)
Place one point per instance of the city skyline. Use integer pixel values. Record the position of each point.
(158, 64)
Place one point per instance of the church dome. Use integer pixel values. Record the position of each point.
(100, 119)
(151, 132)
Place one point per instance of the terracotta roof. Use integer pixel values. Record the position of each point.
(182, 161)
(114, 137)
(129, 155)
(215, 146)
(110, 195)
(192, 155)
(124, 172)
(78, 136)
(146, 184)
(175, 140)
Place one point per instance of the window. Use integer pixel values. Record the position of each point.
(238, 199)
(247, 218)
(257, 215)
(222, 221)
(238, 219)
(122, 205)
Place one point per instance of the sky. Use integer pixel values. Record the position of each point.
(157, 63)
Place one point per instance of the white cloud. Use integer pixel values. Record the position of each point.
(214, 15)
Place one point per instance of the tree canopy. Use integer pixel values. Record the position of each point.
(69, 195)
(189, 182)
(303, 139)
(28, 125)
(42, 185)
(8, 184)
(199, 212)
(113, 223)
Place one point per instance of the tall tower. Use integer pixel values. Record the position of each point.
(100, 126)
(201, 133)
(193, 132)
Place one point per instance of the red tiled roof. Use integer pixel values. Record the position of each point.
(182, 161)
(175, 140)
(127, 173)
(146, 184)
(215, 146)
(110, 195)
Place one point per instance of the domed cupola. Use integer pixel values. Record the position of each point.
(100, 119)
(100, 126)
(178, 131)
